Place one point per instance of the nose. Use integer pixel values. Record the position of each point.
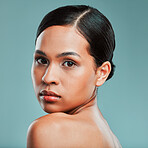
(51, 75)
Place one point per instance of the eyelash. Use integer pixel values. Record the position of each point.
(73, 63)
(41, 58)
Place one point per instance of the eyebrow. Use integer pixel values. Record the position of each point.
(40, 52)
(67, 54)
(59, 55)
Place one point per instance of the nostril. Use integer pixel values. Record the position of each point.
(49, 80)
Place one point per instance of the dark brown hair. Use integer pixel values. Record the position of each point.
(92, 24)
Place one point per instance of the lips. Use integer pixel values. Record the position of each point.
(49, 96)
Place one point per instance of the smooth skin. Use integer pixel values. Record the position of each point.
(62, 64)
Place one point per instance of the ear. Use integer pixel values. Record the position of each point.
(102, 73)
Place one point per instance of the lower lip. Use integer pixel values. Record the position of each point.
(50, 98)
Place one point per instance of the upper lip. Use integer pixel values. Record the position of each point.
(48, 93)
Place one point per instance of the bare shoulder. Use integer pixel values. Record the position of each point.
(60, 130)
(44, 131)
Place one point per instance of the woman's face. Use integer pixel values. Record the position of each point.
(63, 72)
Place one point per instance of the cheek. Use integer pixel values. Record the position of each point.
(81, 82)
(86, 83)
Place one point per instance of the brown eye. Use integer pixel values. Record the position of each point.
(69, 64)
(42, 61)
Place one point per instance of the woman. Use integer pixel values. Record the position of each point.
(73, 56)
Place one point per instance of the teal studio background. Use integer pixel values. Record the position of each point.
(123, 100)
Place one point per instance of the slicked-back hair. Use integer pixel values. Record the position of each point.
(92, 24)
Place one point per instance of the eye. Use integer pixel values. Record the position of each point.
(69, 64)
(41, 60)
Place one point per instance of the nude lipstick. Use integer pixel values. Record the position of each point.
(49, 96)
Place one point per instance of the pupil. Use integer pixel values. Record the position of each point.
(70, 63)
(43, 61)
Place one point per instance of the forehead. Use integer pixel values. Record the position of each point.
(62, 38)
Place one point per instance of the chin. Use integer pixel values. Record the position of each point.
(51, 109)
